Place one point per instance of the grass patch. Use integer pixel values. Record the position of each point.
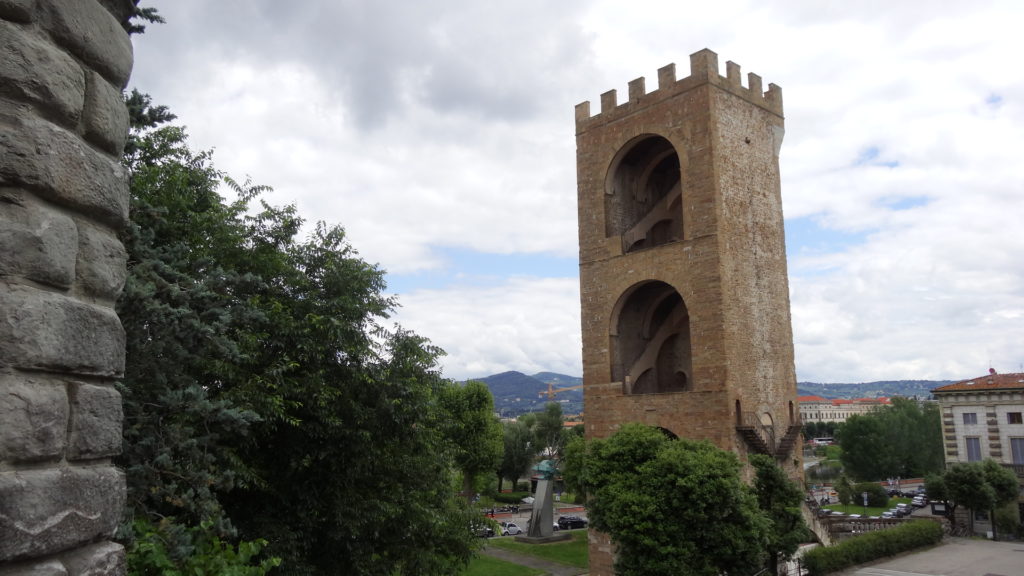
(489, 566)
(572, 552)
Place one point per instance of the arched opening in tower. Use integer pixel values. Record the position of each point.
(643, 194)
(651, 349)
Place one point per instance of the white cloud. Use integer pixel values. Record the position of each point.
(527, 324)
(426, 126)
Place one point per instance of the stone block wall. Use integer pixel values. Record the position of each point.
(63, 199)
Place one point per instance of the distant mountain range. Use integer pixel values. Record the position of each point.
(516, 393)
(887, 388)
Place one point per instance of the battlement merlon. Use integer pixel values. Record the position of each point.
(703, 70)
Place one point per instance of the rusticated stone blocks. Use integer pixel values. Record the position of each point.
(63, 201)
(34, 416)
(43, 511)
(41, 330)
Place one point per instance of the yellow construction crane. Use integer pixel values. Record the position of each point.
(551, 391)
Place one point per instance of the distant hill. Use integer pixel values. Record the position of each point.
(888, 388)
(516, 393)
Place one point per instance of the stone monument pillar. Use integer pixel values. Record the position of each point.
(63, 199)
(541, 529)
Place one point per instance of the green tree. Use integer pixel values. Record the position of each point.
(935, 487)
(780, 499)
(518, 454)
(672, 506)
(976, 485)
(179, 314)
(261, 391)
(900, 440)
(549, 430)
(844, 490)
(864, 451)
(877, 496)
(474, 431)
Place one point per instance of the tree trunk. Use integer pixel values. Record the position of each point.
(500, 482)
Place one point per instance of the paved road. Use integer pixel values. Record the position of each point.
(954, 557)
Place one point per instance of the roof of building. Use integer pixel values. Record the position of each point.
(991, 381)
(879, 400)
(842, 401)
(810, 399)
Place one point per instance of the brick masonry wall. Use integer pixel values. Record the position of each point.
(729, 266)
(63, 199)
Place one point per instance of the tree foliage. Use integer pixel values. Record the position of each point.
(844, 490)
(877, 496)
(780, 500)
(976, 485)
(157, 551)
(820, 430)
(473, 430)
(519, 452)
(549, 430)
(674, 507)
(262, 392)
(900, 440)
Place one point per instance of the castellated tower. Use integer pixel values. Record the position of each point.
(685, 299)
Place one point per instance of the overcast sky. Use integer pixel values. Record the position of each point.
(440, 134)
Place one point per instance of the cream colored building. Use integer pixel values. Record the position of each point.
(818, 409)
(984, 418)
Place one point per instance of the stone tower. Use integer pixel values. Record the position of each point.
(63, 199)
(684, 292)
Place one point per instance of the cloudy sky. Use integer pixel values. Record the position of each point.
(440, 134)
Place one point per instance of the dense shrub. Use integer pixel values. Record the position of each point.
(871, 546)
(877, 497)
(169, 549)
(511, 497)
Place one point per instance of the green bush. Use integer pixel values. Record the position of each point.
(871, 546)
(511, 497)
(169, 549)
(877, 497)
(1007, 522)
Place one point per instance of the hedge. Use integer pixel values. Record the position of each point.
(511, 497)
(871, 546)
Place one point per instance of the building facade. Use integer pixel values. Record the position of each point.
(983, 418)
(684, 291)
(818, 409)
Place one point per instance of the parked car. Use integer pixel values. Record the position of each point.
(510, 529)
(571, 522)
(482, 530)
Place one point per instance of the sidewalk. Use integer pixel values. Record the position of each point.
(954, 557)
